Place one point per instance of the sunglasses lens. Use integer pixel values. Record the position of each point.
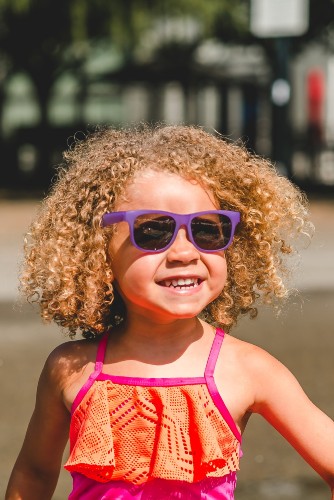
(211, 231)
(153, 231)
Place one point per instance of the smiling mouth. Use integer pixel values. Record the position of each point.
(181, 283)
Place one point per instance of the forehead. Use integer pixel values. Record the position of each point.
(151, 188)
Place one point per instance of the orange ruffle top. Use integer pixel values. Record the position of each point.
(121, 430)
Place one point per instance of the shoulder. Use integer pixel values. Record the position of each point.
(264, 375)
(269, 379)
(68, 360)
(239, 375)
(249, 356)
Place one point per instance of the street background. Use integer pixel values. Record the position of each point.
(302, 337)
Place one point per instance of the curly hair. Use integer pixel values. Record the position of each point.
(66, 267)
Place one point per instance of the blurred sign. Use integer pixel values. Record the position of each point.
(276, 18)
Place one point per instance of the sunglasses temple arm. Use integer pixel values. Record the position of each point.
(112, 218)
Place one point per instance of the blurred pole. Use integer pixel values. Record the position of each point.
(280, 20)
(280, 100)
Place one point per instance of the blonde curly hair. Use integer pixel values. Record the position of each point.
(66, 267)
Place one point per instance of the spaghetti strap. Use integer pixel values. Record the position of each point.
(211, 384)
(101, 351)
(214, 353)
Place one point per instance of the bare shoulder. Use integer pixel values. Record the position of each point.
(239, 376)
(68, 360)
(250, 357)
(253, 372)
(269, 379)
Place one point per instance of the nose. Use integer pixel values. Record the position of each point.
(182, 250)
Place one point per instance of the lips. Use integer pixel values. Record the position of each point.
(182, 283)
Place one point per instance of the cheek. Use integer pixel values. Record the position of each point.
(129, 274)
(218, 270)
(132, 269)
(134, 280)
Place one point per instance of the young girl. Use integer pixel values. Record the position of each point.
(151, 244)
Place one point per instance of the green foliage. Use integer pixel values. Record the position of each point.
(210, 11)
(16, 6)
(125, 20)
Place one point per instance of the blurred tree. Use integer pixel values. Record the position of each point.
(32, 38)
(44, 39)
(36, 34)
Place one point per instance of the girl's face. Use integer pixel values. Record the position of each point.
(151, 283)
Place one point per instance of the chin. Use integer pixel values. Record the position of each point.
(185, 314)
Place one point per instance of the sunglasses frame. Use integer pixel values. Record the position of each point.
(130, 216)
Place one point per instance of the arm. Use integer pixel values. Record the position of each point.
(36, 471)
(282, 402)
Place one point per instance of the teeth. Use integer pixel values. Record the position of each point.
(181, 282)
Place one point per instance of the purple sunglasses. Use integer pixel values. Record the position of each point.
(155, 230)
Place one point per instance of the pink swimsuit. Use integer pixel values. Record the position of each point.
(137, 438)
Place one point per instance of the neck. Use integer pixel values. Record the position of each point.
(158, 342)
(162, 333)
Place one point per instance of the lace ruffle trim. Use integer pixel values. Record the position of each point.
(134, 434)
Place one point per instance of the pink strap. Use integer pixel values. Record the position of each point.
(101, 351)
(211, 384)
(214, 353)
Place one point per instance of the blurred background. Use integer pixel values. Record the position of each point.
(257, 70)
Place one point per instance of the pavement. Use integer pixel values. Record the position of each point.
(302, 337)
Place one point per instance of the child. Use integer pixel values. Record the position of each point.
(152, 242)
